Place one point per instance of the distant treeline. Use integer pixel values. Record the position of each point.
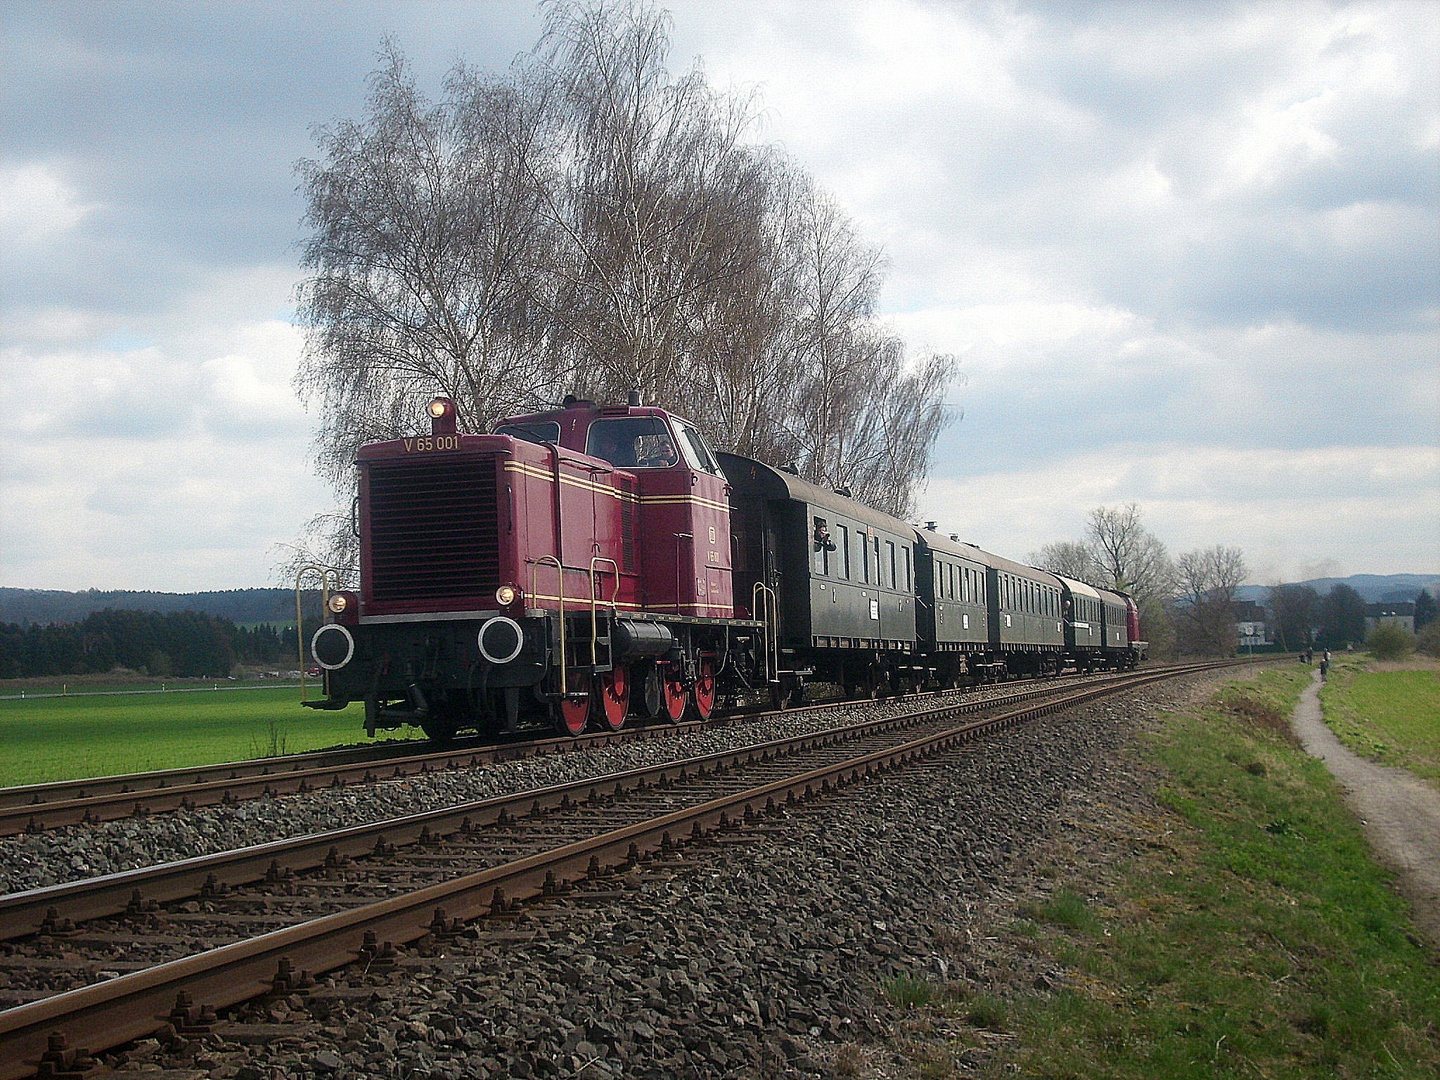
(244, 606)
(179, 644)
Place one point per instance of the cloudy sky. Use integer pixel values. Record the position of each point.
(1187, 253)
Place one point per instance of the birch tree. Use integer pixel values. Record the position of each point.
(590, 223)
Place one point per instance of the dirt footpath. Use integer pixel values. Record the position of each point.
(1401, 815)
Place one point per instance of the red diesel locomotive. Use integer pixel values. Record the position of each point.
(582, 565)
(568, 567)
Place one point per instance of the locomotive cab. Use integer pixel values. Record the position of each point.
(680, 497)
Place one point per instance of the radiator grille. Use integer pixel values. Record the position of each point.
(434, 528)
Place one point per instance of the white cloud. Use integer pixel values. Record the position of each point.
(179, 462)
(1368, 509)
(37, 204)
(1185, 253)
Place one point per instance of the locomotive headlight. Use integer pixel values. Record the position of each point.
(506, 595)
(444, 417)
(344, 607)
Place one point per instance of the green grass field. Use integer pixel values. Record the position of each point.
(59, 738)
(1254, 937)
(1392, 717)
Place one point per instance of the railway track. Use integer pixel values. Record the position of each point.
(265, 919)
(37, 807)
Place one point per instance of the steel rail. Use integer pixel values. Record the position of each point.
(56, 907)
(37, 807)
(280, 962)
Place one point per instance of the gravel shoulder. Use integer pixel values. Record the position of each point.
(1401, 813)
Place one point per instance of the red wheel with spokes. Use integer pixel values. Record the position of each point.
(675, 697)
(612, 698)
(705, 689)
(571, 712)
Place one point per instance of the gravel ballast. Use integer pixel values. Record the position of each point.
(761, 955)
(70, 853)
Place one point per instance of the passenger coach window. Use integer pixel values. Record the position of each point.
(824, 544)
(843, 547)
(890, 551)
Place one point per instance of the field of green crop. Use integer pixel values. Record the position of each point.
(1389, 716)
(58, 738)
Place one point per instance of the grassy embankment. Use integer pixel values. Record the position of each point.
(1251, 936)
(1387, 714)
(58, 738)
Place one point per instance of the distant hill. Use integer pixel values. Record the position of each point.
(1373, 588)
(240, 606)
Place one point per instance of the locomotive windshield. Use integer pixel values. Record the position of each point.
(697, 452)
(537, 431)
(632, 442)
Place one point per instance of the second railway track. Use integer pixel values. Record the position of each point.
(38, 807)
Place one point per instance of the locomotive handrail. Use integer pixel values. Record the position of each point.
(762, 596)
(326, 573)
(595, 603)
(551, 560)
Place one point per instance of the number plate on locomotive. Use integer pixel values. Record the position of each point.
(424, 443)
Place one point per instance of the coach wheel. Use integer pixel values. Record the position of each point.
(705, 689)
(869, 684)
(675, 697)
(570, 713)
(612, 698)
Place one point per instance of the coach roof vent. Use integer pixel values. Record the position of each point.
(633, 400)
